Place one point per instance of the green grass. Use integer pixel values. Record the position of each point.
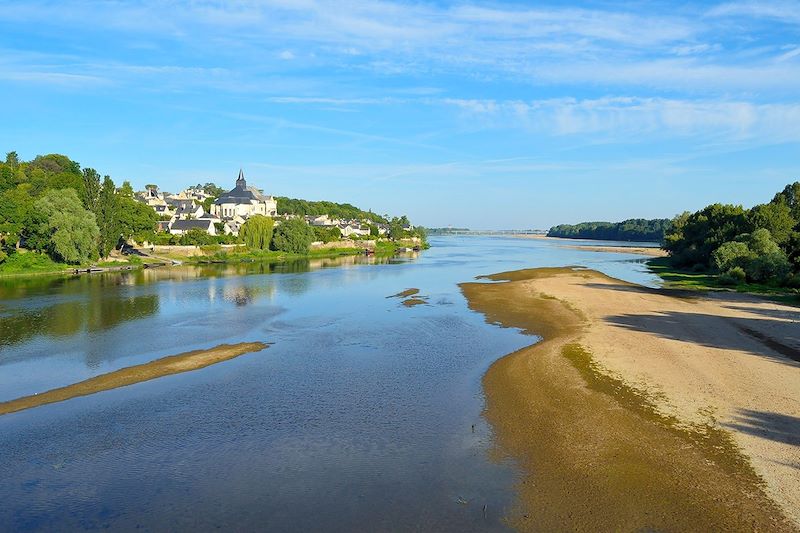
(31, 263)
(677, 278)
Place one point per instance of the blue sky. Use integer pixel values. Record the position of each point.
(479, 114)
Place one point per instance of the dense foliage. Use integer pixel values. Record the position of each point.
(51, 205)
(293, 236)
(635, 229)
(256, 233)
(760, 245)
(327, 234)
(293, 206)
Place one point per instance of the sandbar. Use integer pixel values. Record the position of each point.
(173, 364)
(644, 409)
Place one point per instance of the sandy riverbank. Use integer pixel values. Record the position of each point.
(564, 243)
(645, 409)
(165, 366)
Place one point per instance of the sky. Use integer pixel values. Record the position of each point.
(473, 114)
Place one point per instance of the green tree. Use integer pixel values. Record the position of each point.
(212, 189)
(791, 195)
(12, 160)
(732, 254)
(91, 188)
(396, 231)
(256, 233)
(106, 214)
(134, 218)
(293, 235)
(71, 230)
(776, 217)
(197, 237)
(126, 189)
(692, 238)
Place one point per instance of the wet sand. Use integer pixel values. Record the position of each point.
(643, 409)
(165, 366)
(638, 250)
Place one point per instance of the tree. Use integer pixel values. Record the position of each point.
(70, 229)
(776, 217)
(212, 189)
(396, 231)
(134, 217)
(197, 237)
(91, 188)
(732, 254)
(12, 160)
(106, 214)
(293, 235)
(791, 195)
(256, 233)
(692, 238)
(126, 189)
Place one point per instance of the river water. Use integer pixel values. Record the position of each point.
(363, 414)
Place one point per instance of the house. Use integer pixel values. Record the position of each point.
(358, 230)
(151, 197)
(186, 211)
(163, 210)
(179, 227)
(244, 201)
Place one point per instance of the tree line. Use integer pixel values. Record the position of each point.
(760, 244)
(635, 229)
(53, 206)
(294, 206)
(75, 215)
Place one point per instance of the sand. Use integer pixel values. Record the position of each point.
(165, 366)
(638, 250)
(644, 408)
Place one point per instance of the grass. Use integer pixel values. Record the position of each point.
(678, 278)
(31, 263)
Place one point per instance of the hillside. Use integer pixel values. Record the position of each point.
(295, 206)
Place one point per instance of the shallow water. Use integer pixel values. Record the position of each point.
(360, 416)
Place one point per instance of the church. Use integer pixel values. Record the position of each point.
(243, 201)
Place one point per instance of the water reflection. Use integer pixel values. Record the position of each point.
(360, 416)
(64, 306)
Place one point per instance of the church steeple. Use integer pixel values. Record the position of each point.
(240, 182)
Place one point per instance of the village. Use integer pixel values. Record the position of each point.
(183, 212)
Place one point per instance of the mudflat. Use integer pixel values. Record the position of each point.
(642, 408)
(173, 364)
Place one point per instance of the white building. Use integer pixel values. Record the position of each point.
(244, 201)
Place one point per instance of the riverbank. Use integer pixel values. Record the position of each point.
(644, 409)
(40, 265)
(174, 364)
(638, 250)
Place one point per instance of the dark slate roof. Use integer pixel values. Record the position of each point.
(186, 225)
(241, 194)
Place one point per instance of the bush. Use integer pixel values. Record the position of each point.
(196, 237)
(772, 267)
(792, 281)
(731, 255)
(294, 236)
(733, 276)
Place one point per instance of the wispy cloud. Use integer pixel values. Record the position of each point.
(784, 11)
(657, 117)
(609, 45)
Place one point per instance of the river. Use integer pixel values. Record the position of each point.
(363, 414)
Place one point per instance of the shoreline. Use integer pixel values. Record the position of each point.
(619, 423)
(638, 250)
(165, 366)
(203, 260)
